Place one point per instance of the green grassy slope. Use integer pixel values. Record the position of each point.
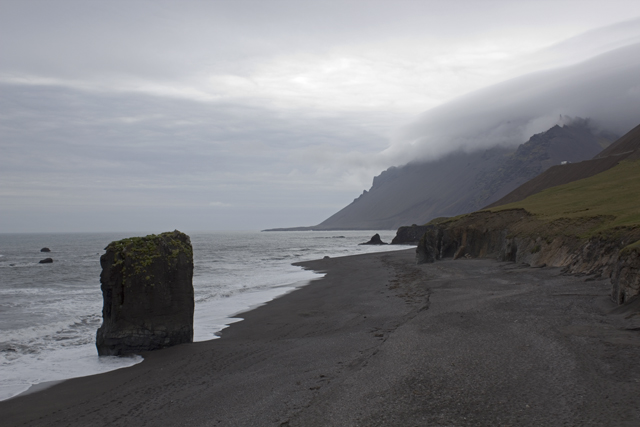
(613, 196)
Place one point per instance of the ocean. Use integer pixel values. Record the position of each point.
(49, 313)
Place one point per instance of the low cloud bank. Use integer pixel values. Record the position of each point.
(605, 89)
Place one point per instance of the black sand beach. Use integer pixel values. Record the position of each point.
(382, 342)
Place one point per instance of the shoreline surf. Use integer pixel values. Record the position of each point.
(240, 293)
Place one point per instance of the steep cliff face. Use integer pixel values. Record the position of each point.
(625, 274)
(148, 294)
(568, 144)
(462, 182)
(416, 193)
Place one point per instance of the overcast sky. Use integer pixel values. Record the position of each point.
(237, 115)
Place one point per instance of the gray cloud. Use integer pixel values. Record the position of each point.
(605, 89)
(69, 149)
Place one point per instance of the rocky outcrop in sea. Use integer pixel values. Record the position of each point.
(375, 240)
(148, 294)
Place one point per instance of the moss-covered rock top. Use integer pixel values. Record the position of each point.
(149, 244)
(135, 254)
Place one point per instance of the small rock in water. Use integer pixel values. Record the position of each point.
(45, 250)
(326, 257)
(45, 261)
(375, 240)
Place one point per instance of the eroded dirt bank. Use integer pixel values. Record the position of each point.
(515, 235)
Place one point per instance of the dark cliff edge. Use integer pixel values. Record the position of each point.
(411, 235)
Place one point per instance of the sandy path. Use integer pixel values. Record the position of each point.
(381, 341)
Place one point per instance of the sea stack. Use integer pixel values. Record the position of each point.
(147, 290)
(375, 240)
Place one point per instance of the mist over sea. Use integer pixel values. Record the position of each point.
(49, 313)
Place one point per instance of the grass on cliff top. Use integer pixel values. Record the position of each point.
(614, 194)
(439, 220)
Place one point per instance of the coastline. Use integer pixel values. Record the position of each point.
(51, 312)
(381, 341)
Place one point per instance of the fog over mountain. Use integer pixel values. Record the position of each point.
(605, 89)
(462, 182)
(451, 148)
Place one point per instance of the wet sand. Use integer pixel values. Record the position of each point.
(382, 342)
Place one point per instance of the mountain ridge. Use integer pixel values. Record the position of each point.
(625, 148)
(461, 182)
